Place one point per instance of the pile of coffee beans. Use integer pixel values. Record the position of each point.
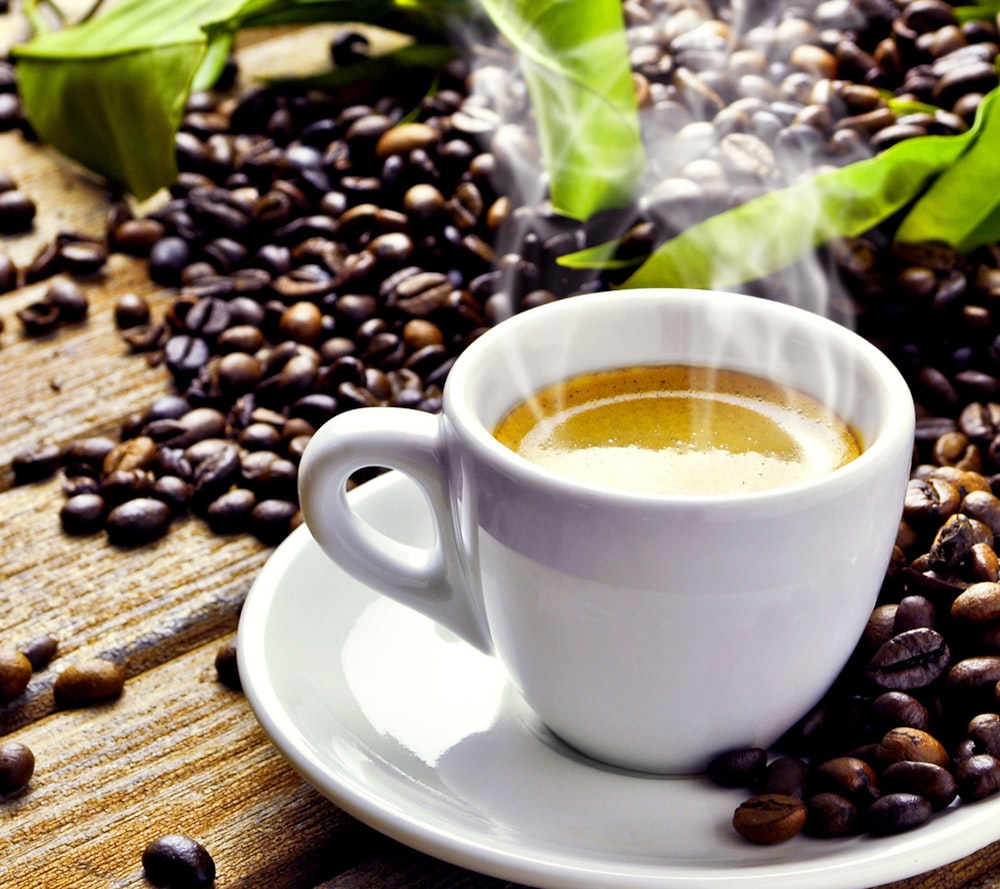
(913, 722)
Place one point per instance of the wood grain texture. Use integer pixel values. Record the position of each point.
(178, 752)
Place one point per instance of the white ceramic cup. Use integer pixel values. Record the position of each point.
(647, 631)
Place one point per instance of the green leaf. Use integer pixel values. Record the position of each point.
(962, 206)
(771, 232)
(574, 58)
(984, 11)
(110, 92)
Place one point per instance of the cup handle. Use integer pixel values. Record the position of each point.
(431, 581)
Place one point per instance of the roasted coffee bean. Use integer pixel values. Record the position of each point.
(69, 300)
(879, 628)
(909, 660)
(955, 539)
(37, 464)
(17, 212)
(896, 812)
(272, 520)
(930, 500)
(847, 776)
(894, 709)
(17, 765)
(226, 666)
(978, 604)
(131, 311)
(972, 679)
(178, 862)
(82, 259)
(977, 777)
(984, 732)
(40, 651)
(138, 521)
(83, 513)
(769, 819)
(785, 775)
(231, 512)
(38, 318)
(133, 453)
(983, 506)
(743, 767)
(912, 613)
(167, 257)
(15, 673)
(934, 783)
(831, 815)
(90, 681)
(175, 492)
(983, 564)
(911, 744)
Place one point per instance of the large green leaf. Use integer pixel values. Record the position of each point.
(775, 230)
(962, 207)
(110, 92)
(574, 58)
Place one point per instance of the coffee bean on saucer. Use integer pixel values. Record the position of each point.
(90, 681)
(831, 815)
(15, 673)
(737, 768)
(770, 818)
(936, 784)
(897, 812)
(785, 775)
(17, 765)
(978, 777)
(178, 862)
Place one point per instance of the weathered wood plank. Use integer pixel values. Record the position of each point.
(178, 752)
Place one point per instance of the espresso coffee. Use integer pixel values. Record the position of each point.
(678, 429)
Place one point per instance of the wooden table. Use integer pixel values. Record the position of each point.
(179, 751)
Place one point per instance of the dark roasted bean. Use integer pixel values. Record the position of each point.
(977, 777)
(137, 521)
(83, 514)
(785, 775)
(39, 463)
(894, 709)
(738, 768)
(831, 815)
(933, 782)
(39, 651)
(909, 660)
(178, 862)
(226, 666)
(897, 812)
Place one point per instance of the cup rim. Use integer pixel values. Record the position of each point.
(897, 426)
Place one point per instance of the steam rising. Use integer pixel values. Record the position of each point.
(733, 103)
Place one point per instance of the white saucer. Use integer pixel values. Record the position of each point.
(418, 735)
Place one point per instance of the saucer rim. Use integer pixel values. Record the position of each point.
(955, 834)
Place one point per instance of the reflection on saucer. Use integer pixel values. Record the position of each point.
(394, 700)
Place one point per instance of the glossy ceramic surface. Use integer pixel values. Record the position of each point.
(419, 735)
